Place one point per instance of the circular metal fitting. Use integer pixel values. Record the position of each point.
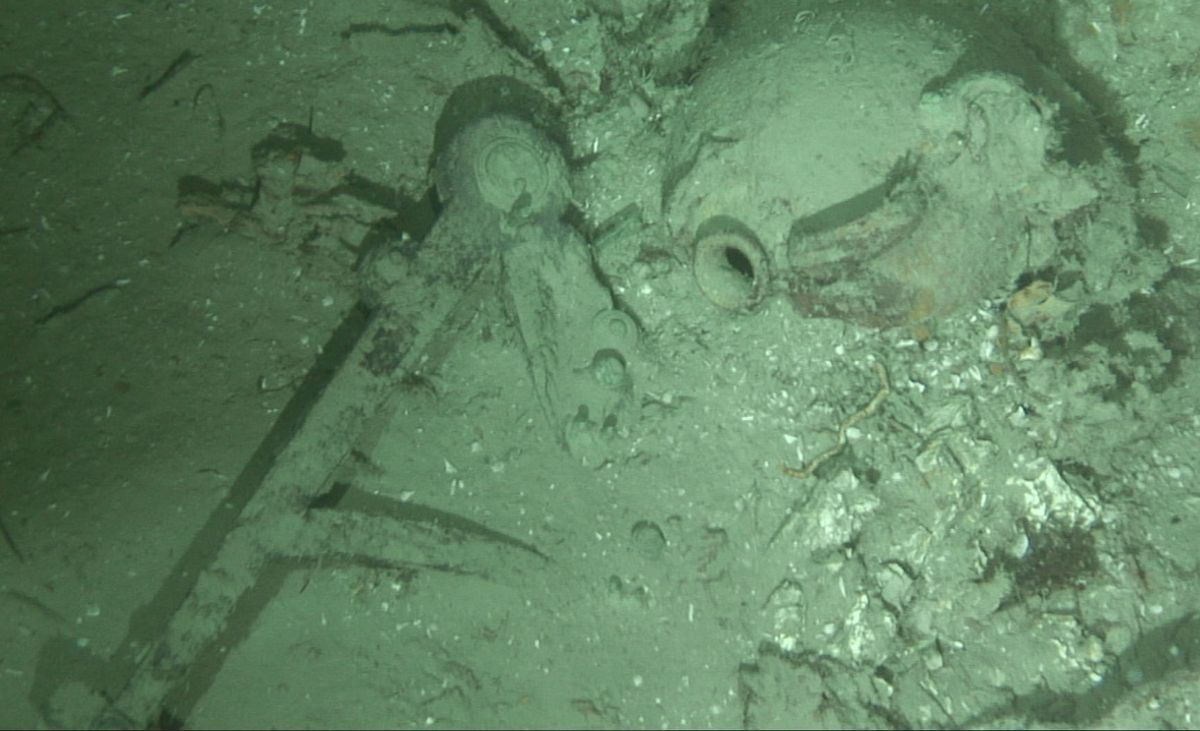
(614, 329)
(507, 164)
(508, 167)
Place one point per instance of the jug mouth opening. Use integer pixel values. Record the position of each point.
(730, 266)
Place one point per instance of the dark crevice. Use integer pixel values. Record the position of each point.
(346, 497)
(511, 38)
